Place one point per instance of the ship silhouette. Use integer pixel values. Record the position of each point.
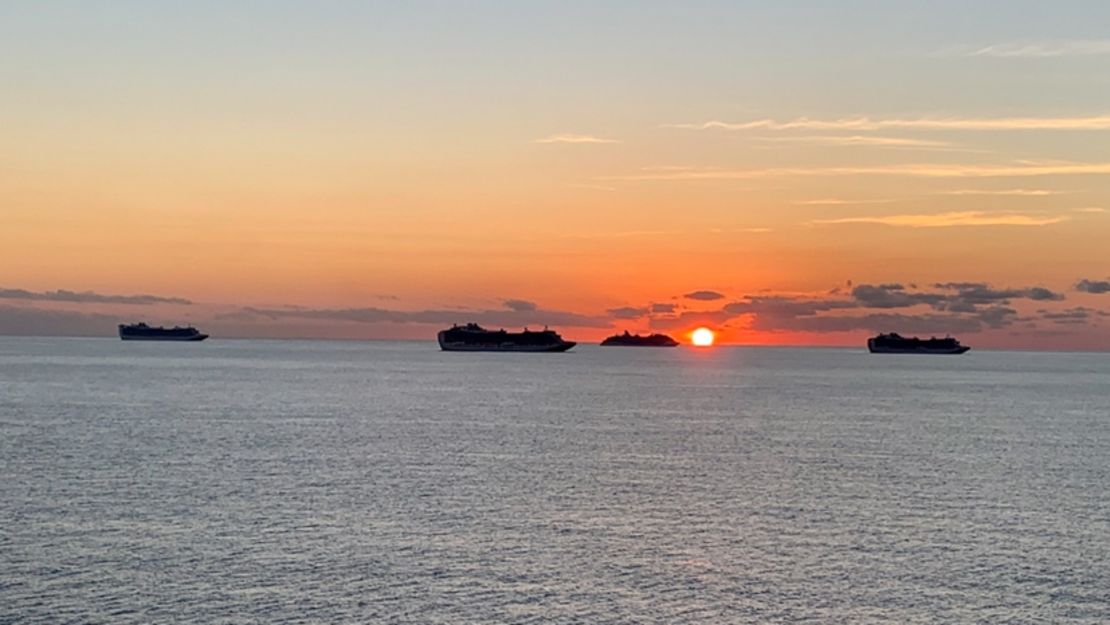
(143, 332)
(635, 340)
(894, 343)
(474, 338)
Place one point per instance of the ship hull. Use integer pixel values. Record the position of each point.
(507, 347)
(178, 339)
(878, 349)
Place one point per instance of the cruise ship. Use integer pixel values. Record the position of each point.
(474, 338)
(142, 332)
(896, 344)
(635, 340)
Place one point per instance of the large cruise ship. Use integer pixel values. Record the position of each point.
(474, 338)
(635, 340)
(896, 344)
(142, 332)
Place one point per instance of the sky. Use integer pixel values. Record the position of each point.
(804, 173)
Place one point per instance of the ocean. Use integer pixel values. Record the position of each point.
(237, 481)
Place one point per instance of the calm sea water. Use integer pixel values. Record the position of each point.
(332, 482)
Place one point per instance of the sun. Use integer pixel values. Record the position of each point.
(702, 337)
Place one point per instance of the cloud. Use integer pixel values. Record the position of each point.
(996, 316)
(953, 307)
(920, 170)
(785, 306)
(1070, 316)
(692, 318)
(520, 305)
(616, 235)
(839, 202)
(949, 220)
(971, 296)
(668, 168)
(1093, 286)
(1013, 192)
(574, 138)
(928, 323)
(740, 230)
(22, 321)
(663, 308)
(1044, 49)
(596, 187)
(1041, 294)
(627, 312)
(89, 297)
(1095, 122)
(1090, 209)
(704, 296)
(511, 317)
(860, 141)
(893, 296)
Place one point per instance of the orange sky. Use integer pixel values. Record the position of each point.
(454, 163)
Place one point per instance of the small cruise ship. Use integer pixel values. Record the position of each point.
(143, 332)
(474, 338)
(894, 343)
(635, 340)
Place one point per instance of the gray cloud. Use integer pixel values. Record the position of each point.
(981, 293)
(663, 308)
(704, 296)
(996, 316)
(1043, 49)
(1071, 316)
(1093, 286)
(88, 297)
(785, 306)
(508, 317)
(930, 323)
(691, 318)
(955, 307)
(520, 305)
(627, 312)
(893, 296)
(38, 322)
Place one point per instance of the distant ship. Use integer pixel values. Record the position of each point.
(143, 332)
(635, 340)
(895, 344)
(474, 338)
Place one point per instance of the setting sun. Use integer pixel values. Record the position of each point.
(702, 337)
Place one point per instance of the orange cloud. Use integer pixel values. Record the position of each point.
(948, 220)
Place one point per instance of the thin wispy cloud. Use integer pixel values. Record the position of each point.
(623, 234)
(945, 307)
(923, 170)
(948, 220)
(740, 230)
(575, 138)
(839, 202)
(1097, 122)
(89, 297)
(1007, 192)
(1043, 49)
(1090, 209)
(704, 296)
(513, 312)
(1097, 287)
(596, 187)
(860, 140)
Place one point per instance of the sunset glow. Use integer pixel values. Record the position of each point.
(369, 170)
(702, 337)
